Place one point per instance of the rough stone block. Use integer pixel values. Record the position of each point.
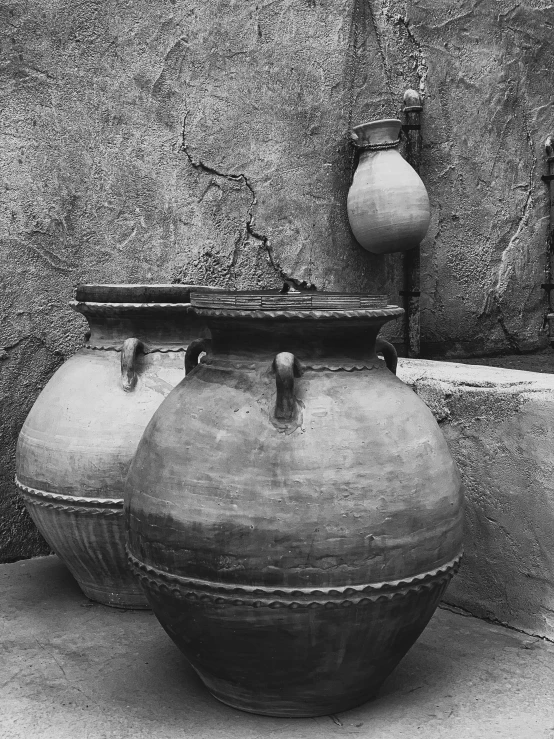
(499, 424)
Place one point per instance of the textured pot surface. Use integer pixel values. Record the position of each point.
(388, 206)
(293, 509)
(78, 440)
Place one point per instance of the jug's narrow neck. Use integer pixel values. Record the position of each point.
(384, 132)
(370, 154)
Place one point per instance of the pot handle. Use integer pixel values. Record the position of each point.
(194, 350)
(129, 352)
(286, 368)
(389, 353)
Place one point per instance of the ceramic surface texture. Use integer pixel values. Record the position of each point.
(293, 509)
(388, 206)
(78, 440)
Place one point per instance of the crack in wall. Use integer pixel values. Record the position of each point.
(386, 71)
(200, 165)
(232, 177)
(505, 271)
(353, 63)
(249, 230)
(422, 69)
(510, 337)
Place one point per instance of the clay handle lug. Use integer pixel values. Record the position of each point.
(389, 354)
(286, 368)
(129, 352)
(193, 352)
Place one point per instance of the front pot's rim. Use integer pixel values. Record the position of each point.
(389, 312)
(280, 596)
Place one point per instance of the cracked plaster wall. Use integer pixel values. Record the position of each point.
(208, 142)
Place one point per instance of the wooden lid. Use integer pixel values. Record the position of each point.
(138, 294)
(272, 300)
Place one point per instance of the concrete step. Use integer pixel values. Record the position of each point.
(71, 669)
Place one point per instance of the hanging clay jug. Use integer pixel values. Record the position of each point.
(293, 509)
(388, 206)
(78, 440)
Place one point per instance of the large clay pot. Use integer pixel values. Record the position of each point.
(293, 509)
(388, 206)
(78, 440)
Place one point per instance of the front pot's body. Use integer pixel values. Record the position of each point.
(78, 440)
(294, 511)
(388, 206)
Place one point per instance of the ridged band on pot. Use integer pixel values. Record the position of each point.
(71, 503)
(74, 526)
(229, 365)
(293, 510)
(77, 442)
(264, 597)
(291, 314)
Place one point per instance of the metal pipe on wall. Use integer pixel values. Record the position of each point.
(411, 267)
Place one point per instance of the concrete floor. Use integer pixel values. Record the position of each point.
(74, 669)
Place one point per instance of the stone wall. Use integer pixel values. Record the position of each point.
(208, 141)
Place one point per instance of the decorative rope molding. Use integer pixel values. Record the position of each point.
(102, 309)
(71, 503)
(204, 591)
(376, 147)
(230, 364)
(145, 350)
(392, 312)
(341, 367)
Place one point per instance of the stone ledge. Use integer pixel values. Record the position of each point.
(499, 424)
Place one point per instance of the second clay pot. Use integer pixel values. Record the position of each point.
(77, 442)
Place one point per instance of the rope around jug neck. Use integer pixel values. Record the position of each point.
(376, 147)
